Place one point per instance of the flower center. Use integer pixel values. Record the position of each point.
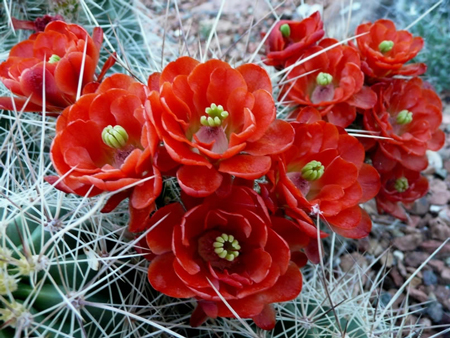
(313, 171)
(54, 59)
(404, 117)
(216, 115)
(285, 30)
(324, 79)
(386, 46)
(226, 247)
(401, 184)
(115, 137)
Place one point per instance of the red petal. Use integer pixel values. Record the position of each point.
(146, 193)
(162, 277)
(246, 166)
(369, 180)
(278, 137)
(360, 231)
(198, 181)
(266, 319)
(162, 222)
(182, 66)
(264, 112)
(256, 77)
(222, 83)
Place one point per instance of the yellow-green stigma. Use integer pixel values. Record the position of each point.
(285, 30)
(324, 79)
(313, 171)
(226, 247)
(54, 59)
(115, 137)
(386, 46)
(216, 116)
(401, 184)
(404, 117)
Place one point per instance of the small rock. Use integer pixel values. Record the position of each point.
(402, 269)
(432, 245)
(415, 282)
(408, 242)
(447, 261)
(444, 214)
(385, 298)
(436, 312)
(439, 197)
(443, 295)
(439, 230)
(399, 255)
(396, 277)
(420, 206)
(414, 221)
(429, 278)
(445, 275)
(349, 261)
(418, 295)
(437, 265)
(415, 259)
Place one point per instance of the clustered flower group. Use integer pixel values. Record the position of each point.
(253, 186)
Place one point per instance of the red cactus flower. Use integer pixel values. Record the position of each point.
(334, 85)
(216, 121)
(323, 173)
(399, 189)
(52, 60)
(385, 50)
(104, 143)
(37, 25)
(409, 114)
(289, 39)
(228, 246)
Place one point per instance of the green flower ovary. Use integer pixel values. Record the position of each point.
(386, 46)
(115, 137)
(313, 171)
(226, 247)
(404, 117)
(324, 79)
(216, 116)
(285, 30)
(401, 184)
(54, 59)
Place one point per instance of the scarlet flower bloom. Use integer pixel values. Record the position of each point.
(51, 59)
(324, 173)
(37, 25)
(216, 121)
(385, 50)
(228, 246)
(409, 114)
(289, 39)
(104, 143)
(335, 85)
(399, 189)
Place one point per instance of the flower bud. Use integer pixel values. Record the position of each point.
(285, 30)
